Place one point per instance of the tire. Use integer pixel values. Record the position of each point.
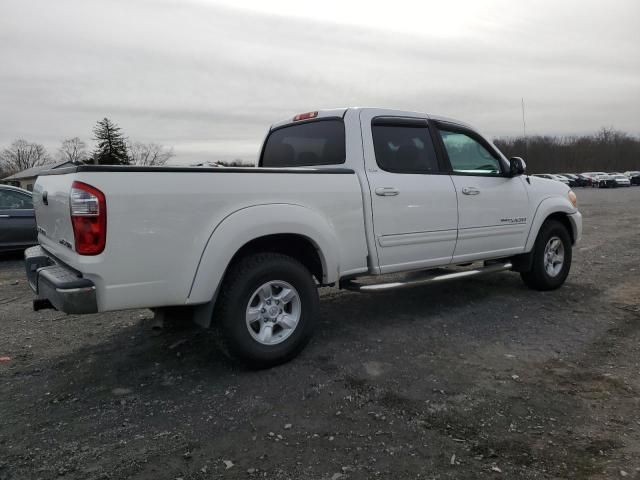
(542, 276)
(243, 297)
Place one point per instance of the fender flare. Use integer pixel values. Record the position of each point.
(547, 207)
(249, 223)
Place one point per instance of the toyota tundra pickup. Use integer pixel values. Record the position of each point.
(339, 197)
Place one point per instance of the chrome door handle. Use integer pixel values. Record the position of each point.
(387, 191)
(5, 216)
(470, 191)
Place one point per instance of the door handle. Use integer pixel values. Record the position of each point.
(470, 191)
(387, 191)
(5, 216)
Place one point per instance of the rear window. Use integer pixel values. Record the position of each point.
(315, 143)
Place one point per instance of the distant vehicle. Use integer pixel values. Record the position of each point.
(553, 176)
(622, 180)
(634, 176)
(577, 180)
(573, 179)
(561, 178)
(17, 220)
(585, 181)
(601, 180)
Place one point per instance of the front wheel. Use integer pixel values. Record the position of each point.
(551, 257)
(266, 309)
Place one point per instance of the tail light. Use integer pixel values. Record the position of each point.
(89, 218)
(305, 116)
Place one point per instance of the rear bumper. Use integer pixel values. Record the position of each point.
(63, 287)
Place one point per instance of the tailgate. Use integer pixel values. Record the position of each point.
(53, 217)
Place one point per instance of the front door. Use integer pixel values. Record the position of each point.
(413, 198)
(492, 206)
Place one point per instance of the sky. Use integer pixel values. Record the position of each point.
(208, 77)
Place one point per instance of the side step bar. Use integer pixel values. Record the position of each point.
(383, 287)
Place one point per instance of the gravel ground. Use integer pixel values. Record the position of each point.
(482, 378)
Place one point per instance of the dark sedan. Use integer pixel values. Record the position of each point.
(17, 220)
(577, 180)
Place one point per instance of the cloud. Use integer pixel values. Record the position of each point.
(208, 79)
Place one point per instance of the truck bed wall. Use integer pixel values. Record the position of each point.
(158, 225)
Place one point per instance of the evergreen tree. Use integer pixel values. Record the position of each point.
(112, 144)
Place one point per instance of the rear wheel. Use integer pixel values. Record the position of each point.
(266, 309)
(551, 257)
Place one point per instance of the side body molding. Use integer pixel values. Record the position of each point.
(549, 206)
(247, 224)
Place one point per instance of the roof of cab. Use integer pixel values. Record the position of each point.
(340, 112)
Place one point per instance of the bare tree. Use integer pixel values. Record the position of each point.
(149, 154)
(22, 155)
(606, 150)
(73, 150)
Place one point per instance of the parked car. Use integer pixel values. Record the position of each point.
(634, 177)
(621, 180)
(572, 179)
(601, 180)
(561, 178)
(17, 220)
(576, 180)
(339, 197)
(553, 176)
(583, 181)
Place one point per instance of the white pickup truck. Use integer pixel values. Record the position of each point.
(340, 197)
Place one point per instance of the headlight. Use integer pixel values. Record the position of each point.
(573, 199)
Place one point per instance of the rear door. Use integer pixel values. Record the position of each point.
(413, 199)
(17, 221)
(492, 206)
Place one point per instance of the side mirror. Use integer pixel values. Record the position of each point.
(517, 166)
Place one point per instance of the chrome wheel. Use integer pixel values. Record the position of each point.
(273, 312)
(553, 256)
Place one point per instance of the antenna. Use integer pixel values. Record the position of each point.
(524, 128)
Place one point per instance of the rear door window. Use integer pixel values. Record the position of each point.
(320, 142)
(404, 148)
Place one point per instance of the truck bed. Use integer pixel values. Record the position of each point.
(163, 218)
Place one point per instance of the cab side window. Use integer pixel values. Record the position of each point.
(404, 148)
(468, 156)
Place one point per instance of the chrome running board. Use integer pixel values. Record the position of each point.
(382, 287)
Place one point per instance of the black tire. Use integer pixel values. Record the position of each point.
(241, 281)
(538, 278)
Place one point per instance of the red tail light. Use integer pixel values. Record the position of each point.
(89, 218)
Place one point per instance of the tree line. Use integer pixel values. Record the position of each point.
(112, 148)
(607, 150)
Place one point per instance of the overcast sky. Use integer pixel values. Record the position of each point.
(209, 76)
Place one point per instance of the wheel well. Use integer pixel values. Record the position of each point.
(293, 245)
(562, 218)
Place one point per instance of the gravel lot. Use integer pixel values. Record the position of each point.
(482, 378)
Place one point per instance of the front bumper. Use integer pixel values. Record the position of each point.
(576, 226)
(62, 286)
